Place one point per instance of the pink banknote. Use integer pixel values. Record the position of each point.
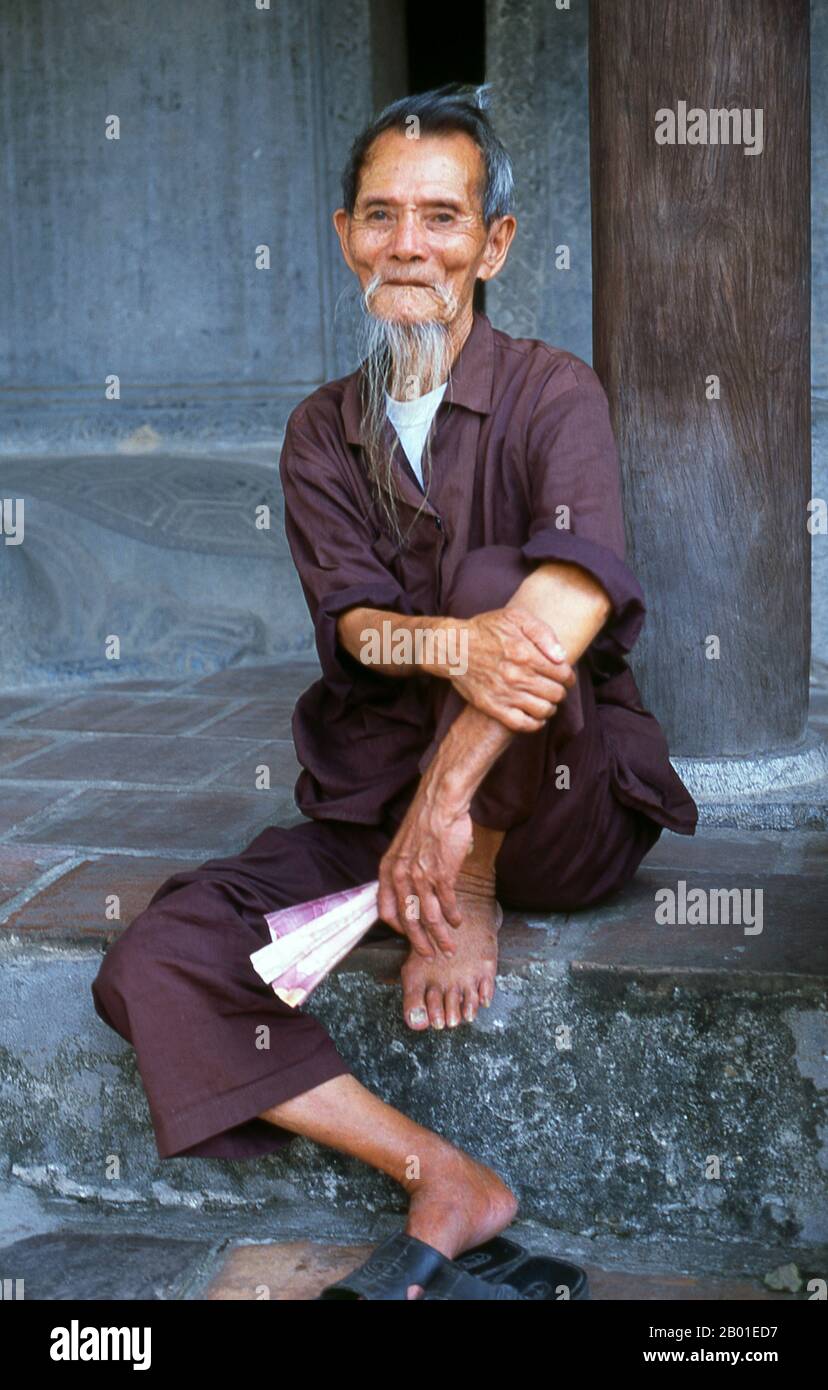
(311, 938)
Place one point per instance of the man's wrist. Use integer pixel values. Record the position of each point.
(449, 788)
(442, 646)
(471, 746)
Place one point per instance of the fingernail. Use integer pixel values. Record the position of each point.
(558, 652)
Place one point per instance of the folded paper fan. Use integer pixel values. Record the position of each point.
(308, 940)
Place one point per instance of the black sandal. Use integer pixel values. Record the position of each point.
(402, 1260)
(532, 1276)
(499, 1269)
(493, 1260)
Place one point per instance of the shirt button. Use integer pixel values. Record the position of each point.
(438, 522)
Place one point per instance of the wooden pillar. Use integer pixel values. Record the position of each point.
(701, 304)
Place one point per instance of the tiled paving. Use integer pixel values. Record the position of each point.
(72, 904)
(185, 770)
(109, 790)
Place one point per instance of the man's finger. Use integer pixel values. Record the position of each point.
(521, 723)
(449, 905)
(531, 705)
(539, 661)
(388, 911)
(543, 688)
(544, 637)
(420, 941)
(431, 916)
(412, 925)
(387, 902)
(413, 928)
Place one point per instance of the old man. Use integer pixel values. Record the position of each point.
(461, 486)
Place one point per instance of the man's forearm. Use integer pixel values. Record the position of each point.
(576, 608)
(471, 746)
(396, 644)
(565, 596)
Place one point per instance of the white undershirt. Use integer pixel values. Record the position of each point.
(411, 420)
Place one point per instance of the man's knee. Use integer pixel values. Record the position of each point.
(124, 965)
(486, 579)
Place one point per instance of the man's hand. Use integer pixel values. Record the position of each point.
(513, 672)
(419, 869)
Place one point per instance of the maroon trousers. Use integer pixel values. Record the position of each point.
(214, 1045)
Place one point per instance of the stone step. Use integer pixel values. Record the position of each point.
(80, 1252)
(630, 1077)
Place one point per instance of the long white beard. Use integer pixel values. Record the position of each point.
(407, 359)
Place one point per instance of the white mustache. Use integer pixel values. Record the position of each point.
(440, 288)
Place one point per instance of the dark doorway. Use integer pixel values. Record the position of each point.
(446, 42)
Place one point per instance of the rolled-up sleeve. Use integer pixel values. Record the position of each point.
(332, 543)
(575, 494)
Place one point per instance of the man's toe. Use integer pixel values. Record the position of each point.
(453, 1011)
(434, 1004)
(486, 990)
(471, 1003)
(414, 1009)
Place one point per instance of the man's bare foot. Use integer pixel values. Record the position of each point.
(456, 1204)
(447, 991)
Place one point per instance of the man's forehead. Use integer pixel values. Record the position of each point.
(421, 170)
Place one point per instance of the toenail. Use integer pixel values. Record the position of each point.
(417, 1016)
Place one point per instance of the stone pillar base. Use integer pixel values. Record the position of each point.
(783, 790)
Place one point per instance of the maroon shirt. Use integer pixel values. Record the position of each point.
(523, 455)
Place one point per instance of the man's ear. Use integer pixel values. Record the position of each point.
(498, 242)
(341, 222)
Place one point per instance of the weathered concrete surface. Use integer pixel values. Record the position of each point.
(537, 61)
(150, 265)
(290, 1251)
(685, 1043)
(606, 1097)
(182, 558)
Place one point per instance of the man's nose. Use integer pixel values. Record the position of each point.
(408, 240)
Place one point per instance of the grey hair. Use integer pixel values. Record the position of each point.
(457, 106)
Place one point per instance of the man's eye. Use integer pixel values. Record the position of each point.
(377, 213)
(444, 217)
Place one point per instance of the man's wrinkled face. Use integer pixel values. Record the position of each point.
(417, 227)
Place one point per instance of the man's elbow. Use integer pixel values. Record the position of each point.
(604, 605)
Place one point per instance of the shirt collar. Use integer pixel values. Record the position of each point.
(470, 384)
